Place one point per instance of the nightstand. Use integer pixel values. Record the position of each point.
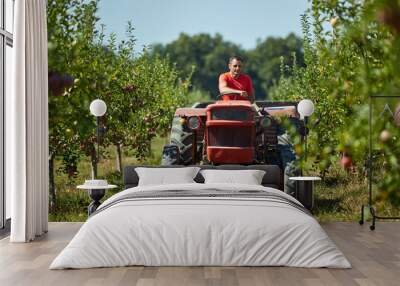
(96, 193)
(305, 190)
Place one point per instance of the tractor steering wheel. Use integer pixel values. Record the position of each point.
(235, 96)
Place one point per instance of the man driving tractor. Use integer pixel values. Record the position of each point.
(235, 85)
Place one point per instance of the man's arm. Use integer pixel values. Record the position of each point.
(224, 89)
(251, 98)
(251, 92)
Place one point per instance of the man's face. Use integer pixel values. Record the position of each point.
(235, 67)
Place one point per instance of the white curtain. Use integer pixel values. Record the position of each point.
(27, 124)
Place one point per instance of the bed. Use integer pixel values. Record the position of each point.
(201, 222)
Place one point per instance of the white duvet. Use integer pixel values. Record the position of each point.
(200, 231)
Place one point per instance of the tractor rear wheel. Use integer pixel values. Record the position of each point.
(182, 137)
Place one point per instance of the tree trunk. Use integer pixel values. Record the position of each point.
(118, 157)
(94, 163)
(52, 185)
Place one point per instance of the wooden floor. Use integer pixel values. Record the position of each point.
(375, 256)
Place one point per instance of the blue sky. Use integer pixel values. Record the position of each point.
(239, 21)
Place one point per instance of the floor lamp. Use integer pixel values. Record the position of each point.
(370, 206)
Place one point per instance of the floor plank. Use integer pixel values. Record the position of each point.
(375, 257)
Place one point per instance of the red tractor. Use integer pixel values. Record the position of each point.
(227, 132)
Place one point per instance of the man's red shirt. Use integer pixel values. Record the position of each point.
(243, 82)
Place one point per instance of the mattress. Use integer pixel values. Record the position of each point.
(201, 225)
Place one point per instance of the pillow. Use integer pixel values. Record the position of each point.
(249, 177)
(166, 176)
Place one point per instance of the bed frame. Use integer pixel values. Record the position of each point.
(272, 178)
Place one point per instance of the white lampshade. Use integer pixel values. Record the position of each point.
(305, 108)
(98, 107)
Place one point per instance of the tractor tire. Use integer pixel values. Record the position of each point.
(182, 137)
(170, 155)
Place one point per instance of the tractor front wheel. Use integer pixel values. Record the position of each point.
(182, 137)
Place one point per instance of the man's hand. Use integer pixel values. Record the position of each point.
(244, 93)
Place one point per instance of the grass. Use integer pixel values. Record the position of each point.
(71, 203)
(340, 195)
(337, 198)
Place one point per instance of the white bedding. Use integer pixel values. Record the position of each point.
(200, 231)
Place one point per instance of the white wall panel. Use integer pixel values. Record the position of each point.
(8, 86)
(9, 9)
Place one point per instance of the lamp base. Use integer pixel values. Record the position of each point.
(305, 193)
(96, 195)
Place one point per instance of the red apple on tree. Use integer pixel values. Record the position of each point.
(396, 116)
(346, 162)
(68, 81)
(385, 136)
(55, 83)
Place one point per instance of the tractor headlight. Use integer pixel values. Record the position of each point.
(182, 121)
(194, 122)
(266, 122)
